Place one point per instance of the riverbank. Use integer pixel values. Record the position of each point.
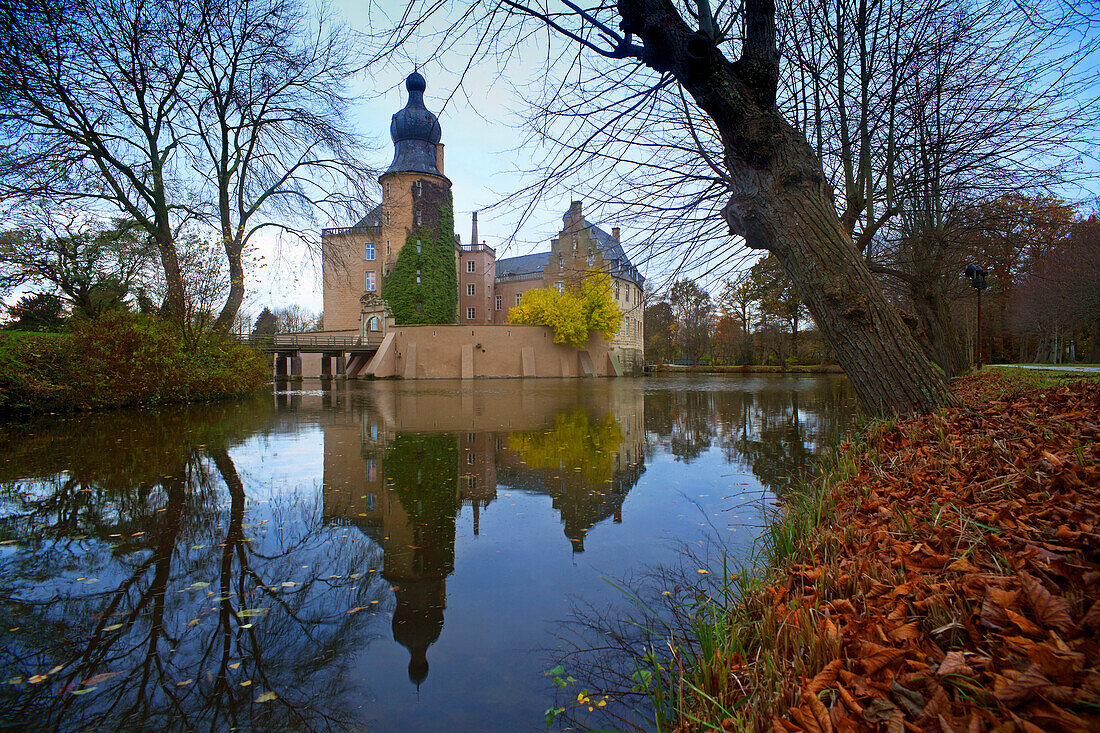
(941, 574)
(745, 369)
(120, 360)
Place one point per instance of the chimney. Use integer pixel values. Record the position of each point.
(615, 233)
(575, 214)
(439, 158)
(473, 234)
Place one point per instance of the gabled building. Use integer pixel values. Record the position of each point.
(416, 196)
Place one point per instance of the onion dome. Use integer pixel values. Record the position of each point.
(415, 132)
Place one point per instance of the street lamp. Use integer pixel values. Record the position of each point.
(976, 276)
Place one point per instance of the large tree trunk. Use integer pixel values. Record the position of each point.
(781, 202)
(1094, 342)
(236, 291)
(943, 336)
(174, 308)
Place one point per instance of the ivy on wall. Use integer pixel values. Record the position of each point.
(434, 299)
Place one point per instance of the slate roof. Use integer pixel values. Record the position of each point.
(613, 251)
(372, 219)
(522, 265)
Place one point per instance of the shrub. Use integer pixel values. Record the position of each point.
(122, 359)
(583, 307)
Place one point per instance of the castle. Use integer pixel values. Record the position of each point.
(416, 198)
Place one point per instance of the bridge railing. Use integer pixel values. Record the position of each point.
(290, 341)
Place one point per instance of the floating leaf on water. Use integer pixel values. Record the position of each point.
(197, 586)
(246, 683)
(36, 679)
(357, 609)
(85, 691)
(249, 612)
(101, 677)
(267, 697)
(289, 584)
(235, 665)
(113, 627)
(57, 669)
(703, 572)
(184, 683)
(246, 626)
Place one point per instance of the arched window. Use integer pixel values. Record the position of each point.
(374, 324)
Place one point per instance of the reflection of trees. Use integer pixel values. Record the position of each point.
(147, 605)
(572, 442)
(682, 419)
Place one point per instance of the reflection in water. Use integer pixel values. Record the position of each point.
(245, 565)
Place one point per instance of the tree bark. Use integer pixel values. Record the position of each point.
(236, 291)
(942, 335)
(781, 202)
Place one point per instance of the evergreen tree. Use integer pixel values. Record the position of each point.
(423, 287)
(265, 323)
(37, 312)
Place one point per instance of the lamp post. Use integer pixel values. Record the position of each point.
(976, 276)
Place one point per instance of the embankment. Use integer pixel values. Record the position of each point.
(942, 574)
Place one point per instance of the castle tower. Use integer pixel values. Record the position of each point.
(413, 187)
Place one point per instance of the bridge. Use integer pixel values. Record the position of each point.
(347, 351)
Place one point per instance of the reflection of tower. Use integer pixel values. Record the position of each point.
(477, 473)
(418, 515)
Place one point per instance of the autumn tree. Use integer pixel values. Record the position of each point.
(660, 329)
(584, 305)
(694, 312)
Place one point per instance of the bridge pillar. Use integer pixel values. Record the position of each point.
(296, 367)
(341, 366)
(280, 365)
(326, 365)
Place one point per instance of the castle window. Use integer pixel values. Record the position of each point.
(373, 324)
(518, 296)
(470, 457)
(591, 258)
(471, 289)
(387, 248)
(418, 246)
(387, 217)
(418, 189)
(372, 469)
(471, 314)
(560, 287)
(561, 262)
(418, 220)
(371, 282)
(368, 251)
(489, 315)
(418, 276)
(616, 290)
(470, 265)
(500, 302)
(574, 244)
(419, 305)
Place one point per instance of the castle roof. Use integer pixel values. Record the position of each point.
(372, 219)
(613, 251)
(415, 132)
(522, 265)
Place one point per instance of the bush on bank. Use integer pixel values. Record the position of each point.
(121, 359)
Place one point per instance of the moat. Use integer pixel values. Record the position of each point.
(390, 556)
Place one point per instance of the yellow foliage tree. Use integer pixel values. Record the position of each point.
(583, 306)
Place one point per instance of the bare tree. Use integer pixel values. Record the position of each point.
(180, 111)
(668, 65)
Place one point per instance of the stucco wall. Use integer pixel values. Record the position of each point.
(438, 352)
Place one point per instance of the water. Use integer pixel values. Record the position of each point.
(391, 556)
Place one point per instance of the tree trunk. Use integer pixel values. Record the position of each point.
(780, 201)
(943, 336)
(236, 291)
(174, 307)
